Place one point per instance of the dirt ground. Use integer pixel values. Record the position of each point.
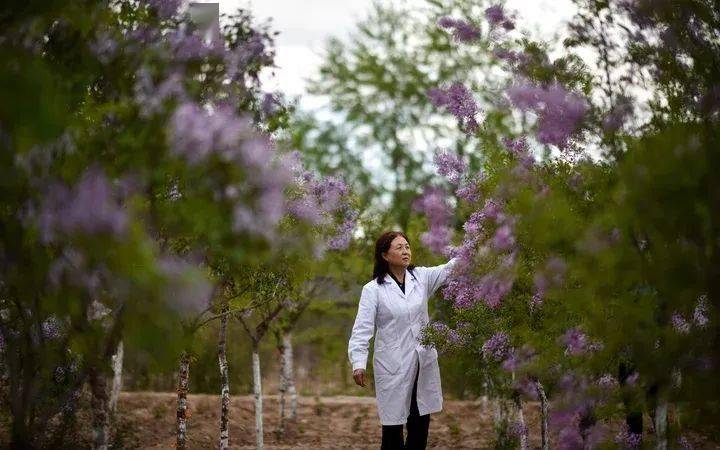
(147, 420)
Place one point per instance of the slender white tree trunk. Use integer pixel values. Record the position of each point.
(100, 411)
(283, 384)
(543, 416)
(290, 374)
(661, 423)
(257, 389)
(182, 408)
(224, 384)
(117, 367)
(521, 420)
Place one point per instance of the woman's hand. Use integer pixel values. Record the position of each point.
(359, 377)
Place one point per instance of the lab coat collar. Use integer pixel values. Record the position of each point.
(410, 283)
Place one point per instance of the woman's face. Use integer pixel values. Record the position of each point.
(399, 252)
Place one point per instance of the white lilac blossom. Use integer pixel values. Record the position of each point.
(458, 100)
(559, 112)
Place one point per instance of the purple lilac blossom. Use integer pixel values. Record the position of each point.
(458, 100)
(684, 443)
(518, 429)
(342, 239)
(432, 203)
(627, 439)
(52, 328)
(165, 9)
(519, 149)
(151, 98)
(450, 166)
(700, 313)
(495, 15)
(607, 381)
(504, 239)
(496, 348)
(470, 191)
(559, 111)
(90, 207)
(679, 323)
(463, 31)
(575, 341)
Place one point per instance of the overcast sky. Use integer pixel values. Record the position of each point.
(304, 26)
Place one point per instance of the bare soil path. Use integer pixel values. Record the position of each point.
(147, 419)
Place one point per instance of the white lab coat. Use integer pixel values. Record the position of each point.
(399, 319)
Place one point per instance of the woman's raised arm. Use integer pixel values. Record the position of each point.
(435, 276)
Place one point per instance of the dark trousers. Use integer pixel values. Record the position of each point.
(417, 428)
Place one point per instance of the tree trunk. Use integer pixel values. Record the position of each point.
(661, 424)
(100, 409)
(257, 389)
(521, 420)
(117, 367)
(182, 408)
(290, 374)
(283, 383)
(224, 382)
(543, 417)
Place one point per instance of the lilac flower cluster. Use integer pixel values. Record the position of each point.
(319, 204)
(551, 276)
(497, 347)
(518, 429)
(517, 358)
(452, 336)
(432, 203)
(577, 343)
(343, 236)
(450, 166)
(165, 9)
(573, 419)
(679, 323)
(626, 439)
(700, 313)
(459, 102)
(559, 111)
(463, 31)
(607, 381)
(520, 151)
(52, 328)
(495, 15)
(470, 190)
(91, 207)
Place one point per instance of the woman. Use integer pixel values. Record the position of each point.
(407, 375)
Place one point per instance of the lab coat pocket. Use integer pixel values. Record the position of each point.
(386, 361)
